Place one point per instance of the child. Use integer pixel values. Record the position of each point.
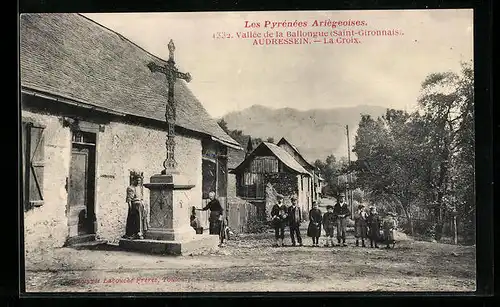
(314, 228)
(224, 229)
(389, 225)
(329, 224)
(360, 225)
(373, 223)
(195, 223)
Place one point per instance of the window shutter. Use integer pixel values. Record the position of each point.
(35, 163)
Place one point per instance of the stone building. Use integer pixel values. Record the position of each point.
(92, 112)
(315, 182)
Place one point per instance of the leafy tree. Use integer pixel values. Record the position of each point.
(385, 168)
(448, 101)
(223, 124)
(334, 173)
(424, 161)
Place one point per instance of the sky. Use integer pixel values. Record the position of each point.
(233, 74)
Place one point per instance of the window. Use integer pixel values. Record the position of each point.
(33, 148)
(209, 171)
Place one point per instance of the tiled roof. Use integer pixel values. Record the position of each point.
(70, 56)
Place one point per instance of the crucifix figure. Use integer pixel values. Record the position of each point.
(172, 73)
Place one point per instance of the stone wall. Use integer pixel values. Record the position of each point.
(120, 148)
(304, 194)
(231, 185)
(124, 147)
(46, 227)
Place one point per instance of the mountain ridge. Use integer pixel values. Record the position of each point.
(316, 133)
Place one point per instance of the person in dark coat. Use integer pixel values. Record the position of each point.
(329, 223)
(373, 223)
(294, 220)
(215, 218)
(360, 225)
(341, 213)
(314, 228)
(278, 219)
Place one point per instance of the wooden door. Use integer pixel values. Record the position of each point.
(78, 191)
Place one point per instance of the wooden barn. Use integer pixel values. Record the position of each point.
(270, 165)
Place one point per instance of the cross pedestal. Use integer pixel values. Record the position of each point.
(169, 229)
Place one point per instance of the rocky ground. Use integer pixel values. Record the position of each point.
(249, 263)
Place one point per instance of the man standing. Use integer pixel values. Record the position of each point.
(294, 219)
(341, 212)
(278, 219)
(215, 219)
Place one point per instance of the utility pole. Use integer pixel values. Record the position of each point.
(349, 178)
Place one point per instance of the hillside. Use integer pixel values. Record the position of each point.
(316, 133)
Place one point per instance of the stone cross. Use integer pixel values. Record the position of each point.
(172, 73)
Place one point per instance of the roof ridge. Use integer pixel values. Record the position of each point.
(294, 147)
(123, 37)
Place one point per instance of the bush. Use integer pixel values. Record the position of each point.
(305, 215)
(256, 225)
(420, 227)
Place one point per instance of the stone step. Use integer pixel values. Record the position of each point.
(80, 239)
(90, 245)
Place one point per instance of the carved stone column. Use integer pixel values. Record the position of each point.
(169, 207)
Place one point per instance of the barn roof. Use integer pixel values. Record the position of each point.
(235, 157)
(75, 58)
(285, 141)
(279, 153)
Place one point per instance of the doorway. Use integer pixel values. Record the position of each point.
(81, 188)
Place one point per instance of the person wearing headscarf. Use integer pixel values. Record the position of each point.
(373, 223)
(314, 227)
(294, 220)
(278, 220)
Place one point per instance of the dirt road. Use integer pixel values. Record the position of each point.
(250, 264)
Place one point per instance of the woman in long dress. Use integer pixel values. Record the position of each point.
(314, 228)
(134, 228)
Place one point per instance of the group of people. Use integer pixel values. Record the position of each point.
(367, 225)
